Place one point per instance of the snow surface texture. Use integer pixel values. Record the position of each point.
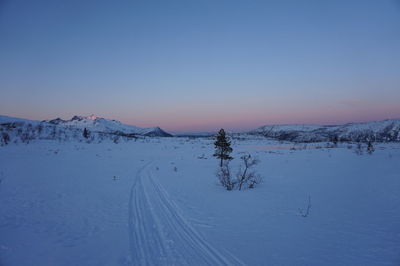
(382, 131)
(156, 201)
(160, 234)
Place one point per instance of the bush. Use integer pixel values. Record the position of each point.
(245, 175)
(5, 138)
(224, 176)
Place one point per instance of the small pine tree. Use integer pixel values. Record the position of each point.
(370, 147)
(86, 133)
(222, 147)
(335, 140)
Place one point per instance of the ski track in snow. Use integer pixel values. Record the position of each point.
(160, 235)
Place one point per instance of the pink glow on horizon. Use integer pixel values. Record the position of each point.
(246, 121)
(191, 120)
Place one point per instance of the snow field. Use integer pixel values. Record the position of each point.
(157, 202)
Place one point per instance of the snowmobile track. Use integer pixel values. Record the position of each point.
(160, 235)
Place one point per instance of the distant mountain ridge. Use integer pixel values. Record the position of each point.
(14, 129)
(381, 131)
(94, 123)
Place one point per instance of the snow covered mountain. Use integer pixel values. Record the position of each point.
(98, 124)
(381, 131)
(16, 129)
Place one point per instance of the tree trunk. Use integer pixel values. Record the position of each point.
(243, 178)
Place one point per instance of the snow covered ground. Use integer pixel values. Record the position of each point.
(156, 201)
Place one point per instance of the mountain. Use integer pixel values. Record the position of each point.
(93, 123)
(381, 131)
(14, 129)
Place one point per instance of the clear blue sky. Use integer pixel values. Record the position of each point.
(201, 65)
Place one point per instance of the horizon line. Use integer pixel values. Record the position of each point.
(205, 131)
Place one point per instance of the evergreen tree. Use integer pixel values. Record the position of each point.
(222, 147)
(335, 140)
(86, 133)
(370, 147)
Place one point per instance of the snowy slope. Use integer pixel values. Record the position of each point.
(9, 119)
(385, 130)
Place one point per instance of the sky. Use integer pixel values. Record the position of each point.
(199, 65)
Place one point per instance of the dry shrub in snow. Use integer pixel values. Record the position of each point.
(246, 175)
(224, 176)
